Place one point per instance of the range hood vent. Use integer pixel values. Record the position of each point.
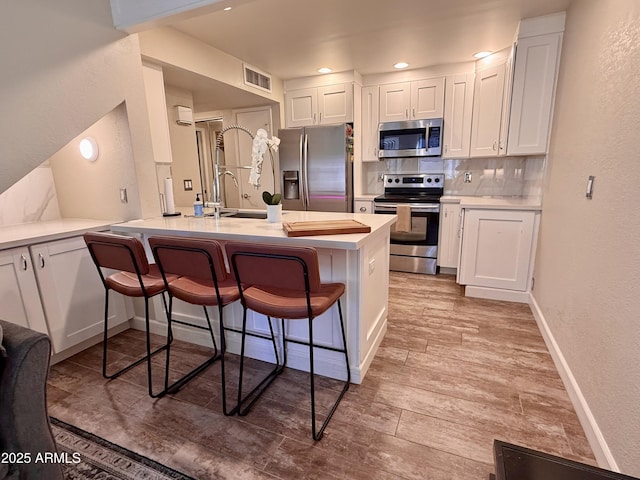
(256, 78)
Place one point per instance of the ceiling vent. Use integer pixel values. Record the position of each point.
(256, 78)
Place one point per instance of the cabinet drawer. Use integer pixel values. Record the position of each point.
(363, 206)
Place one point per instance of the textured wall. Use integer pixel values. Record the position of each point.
(64, 67)
(588, 260)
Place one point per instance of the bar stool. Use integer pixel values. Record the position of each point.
(135, 278)
(284, 282)
(203, 281)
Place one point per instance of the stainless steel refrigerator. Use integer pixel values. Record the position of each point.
(316, 168)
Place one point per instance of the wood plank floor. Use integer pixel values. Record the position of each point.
(452, 374)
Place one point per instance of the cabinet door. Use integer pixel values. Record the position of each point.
(458, 105)
(395, 100)
(496, 248)
(427, 99)
(370, 121)
(19, 295)
(487, 111)
(301, 107)
(449, 235)
(335, 104)
(72, 293)
(534, 82)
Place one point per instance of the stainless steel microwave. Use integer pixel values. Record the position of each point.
(411, 138)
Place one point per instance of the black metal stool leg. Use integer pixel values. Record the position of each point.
(318, 435)
(259, 389)
(105, 339)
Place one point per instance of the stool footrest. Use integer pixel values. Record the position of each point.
(132, 365)
(178, 384)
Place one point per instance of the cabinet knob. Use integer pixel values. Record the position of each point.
(25, 265)
(363, 209)
(246, 195)
(41, 260)
(495, 146)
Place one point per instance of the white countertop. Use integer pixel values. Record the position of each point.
(496, 202)
(248, 229)
(38, 232)
(366, 196)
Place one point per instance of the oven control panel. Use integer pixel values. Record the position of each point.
(414, 180)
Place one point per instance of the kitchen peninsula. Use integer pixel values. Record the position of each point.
(359, 260)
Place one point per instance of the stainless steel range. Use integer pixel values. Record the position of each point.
(414, 238)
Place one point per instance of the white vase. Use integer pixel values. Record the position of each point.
(274, 213)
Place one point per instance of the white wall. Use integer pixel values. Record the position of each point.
(64, 67)
(183, 149)
(92, 189)
(588, 259)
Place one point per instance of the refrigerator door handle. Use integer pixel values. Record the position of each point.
(302, 185)
(305, 172)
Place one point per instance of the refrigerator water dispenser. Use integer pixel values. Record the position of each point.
(291, 184)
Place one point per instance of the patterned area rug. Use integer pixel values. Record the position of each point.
(105, 460)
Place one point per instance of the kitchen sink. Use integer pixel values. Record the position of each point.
(257, 215)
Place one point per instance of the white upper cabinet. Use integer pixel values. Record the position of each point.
(458, 107)
(335, 104)
(370, 121)
(422, 99)
(324, 105)
(427, 99)
(302, 107)
(395, 102)
(534, 79)
(487, 111)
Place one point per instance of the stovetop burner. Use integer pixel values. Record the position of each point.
(412, 188)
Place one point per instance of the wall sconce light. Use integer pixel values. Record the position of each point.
(89, 149)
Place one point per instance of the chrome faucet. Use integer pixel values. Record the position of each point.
(219, 170)
(231, 174)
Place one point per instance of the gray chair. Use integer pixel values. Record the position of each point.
(24, 421)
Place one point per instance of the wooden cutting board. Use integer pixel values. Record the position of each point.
(324, 227)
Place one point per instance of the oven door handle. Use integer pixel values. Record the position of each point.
(415, 207)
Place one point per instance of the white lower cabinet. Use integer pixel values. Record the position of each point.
(362, 206)
(449, 235)
(497, 248)
(19, 295)
(54, 288)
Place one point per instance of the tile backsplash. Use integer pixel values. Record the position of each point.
(500, 176)
(31, 199)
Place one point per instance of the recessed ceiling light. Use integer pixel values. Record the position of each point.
(226, 9)
(482, 54)
(324, 70)
(401, 65)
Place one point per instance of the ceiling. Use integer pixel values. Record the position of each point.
(293, 38)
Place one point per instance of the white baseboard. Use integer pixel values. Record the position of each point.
(594, 436)
(496, 294)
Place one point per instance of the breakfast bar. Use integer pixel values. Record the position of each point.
(359, 260)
